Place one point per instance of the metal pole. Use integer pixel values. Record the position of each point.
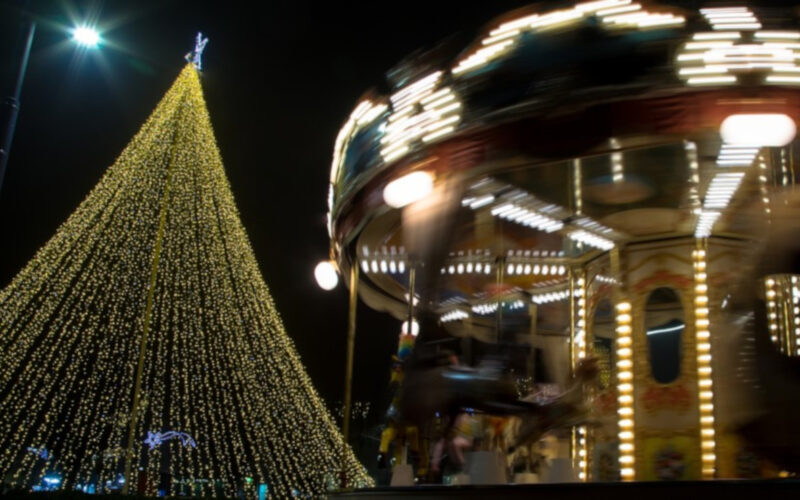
(11, 103)
(498, 315)
(573, 448)
(348, 374)
(412, 284)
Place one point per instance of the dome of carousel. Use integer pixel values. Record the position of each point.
(609, 181)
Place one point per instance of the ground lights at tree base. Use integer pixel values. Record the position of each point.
(218, 363)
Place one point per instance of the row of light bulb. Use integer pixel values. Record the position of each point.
(536, 269)
(591, 239)
(546, 298)
(468, 268)
(492, 307)
(383, 266)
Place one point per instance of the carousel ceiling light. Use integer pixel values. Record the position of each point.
(481, 202)
(408, 189)
(730, 35)
(454, 315)
(731, 155)
(619, 10)
(768, 129)
(783, 78)
(590, 239)
(710, 80)
(326, 275)
(721, 190)
(781, 35)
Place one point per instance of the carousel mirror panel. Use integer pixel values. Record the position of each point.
(664, 324)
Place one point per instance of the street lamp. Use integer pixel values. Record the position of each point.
(84, 36)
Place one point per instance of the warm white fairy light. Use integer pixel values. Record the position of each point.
(218, 364)
(704, 369)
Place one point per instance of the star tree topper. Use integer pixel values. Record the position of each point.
(196, 56)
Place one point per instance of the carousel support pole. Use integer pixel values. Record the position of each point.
(412, 285)
(499, 277)
(348, 374)
(573, 443)
(572, 348)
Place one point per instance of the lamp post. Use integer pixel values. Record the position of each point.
(11, 103)
(327, 278)
(84, 36)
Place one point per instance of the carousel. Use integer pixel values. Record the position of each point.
(588, 182)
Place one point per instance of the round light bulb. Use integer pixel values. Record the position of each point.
(408, 189)
(326, 275)
(753, 129)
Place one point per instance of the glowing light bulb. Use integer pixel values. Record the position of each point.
(773, 129)
(86, 36)
(408, 189)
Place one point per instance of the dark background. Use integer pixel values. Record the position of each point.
(280, 78)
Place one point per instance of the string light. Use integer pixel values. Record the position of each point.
(625, 390)
(218, 364)
(704, 380)
(614, 13)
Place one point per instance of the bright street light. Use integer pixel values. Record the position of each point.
(86, 36)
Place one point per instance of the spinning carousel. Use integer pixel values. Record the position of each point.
(588, 182)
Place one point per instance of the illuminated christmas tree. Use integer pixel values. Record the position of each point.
(147, 306)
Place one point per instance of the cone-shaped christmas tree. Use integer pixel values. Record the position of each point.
(147, 306)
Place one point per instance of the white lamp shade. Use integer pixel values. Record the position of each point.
(408, 189)
(326, 275)
(768, 129)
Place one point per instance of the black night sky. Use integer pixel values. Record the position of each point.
(280, 79)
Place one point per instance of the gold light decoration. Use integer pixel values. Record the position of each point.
(704, 381)
(157, 251)
(783, 311)
(625, 390)
(579, 353)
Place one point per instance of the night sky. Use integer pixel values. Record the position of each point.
(279, 80)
